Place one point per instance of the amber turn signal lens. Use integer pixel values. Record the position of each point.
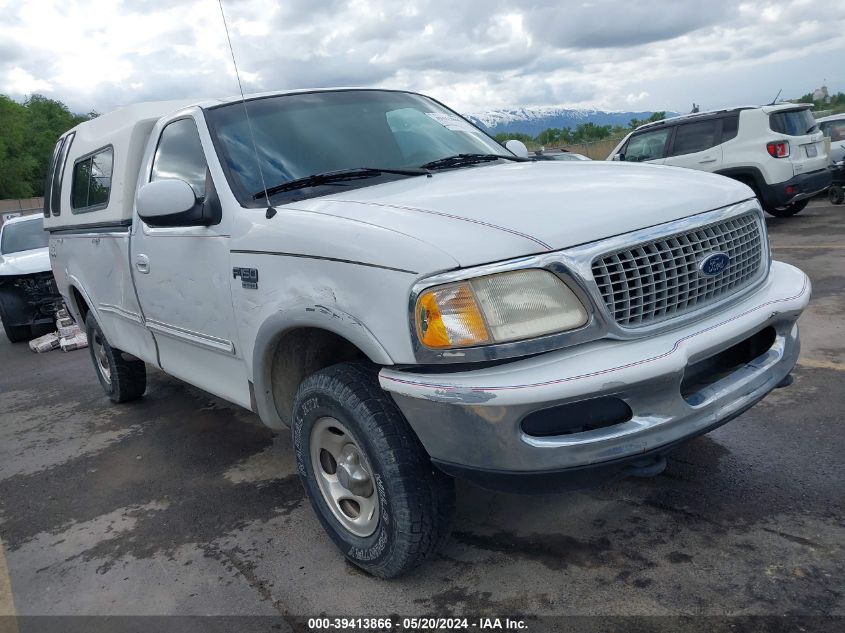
(448, 316)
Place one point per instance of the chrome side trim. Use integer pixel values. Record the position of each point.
(118, 311)
(574, 266)
(196, 338)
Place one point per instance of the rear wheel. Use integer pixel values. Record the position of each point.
(370, 481)
(789, 210)
(122, 379)
(836, 195)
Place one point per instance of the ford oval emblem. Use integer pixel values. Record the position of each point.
(714, 264)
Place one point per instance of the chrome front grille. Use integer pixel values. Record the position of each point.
(661, 278)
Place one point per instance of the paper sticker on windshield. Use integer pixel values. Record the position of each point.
(452, 122)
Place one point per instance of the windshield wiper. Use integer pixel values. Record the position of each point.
(812, 127)
(340, 175)
(459, 160)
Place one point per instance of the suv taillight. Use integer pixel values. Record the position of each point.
(778, 149)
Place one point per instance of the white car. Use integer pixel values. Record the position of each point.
(777, 150)
(415, 301)
(28, 295)
(833, 127)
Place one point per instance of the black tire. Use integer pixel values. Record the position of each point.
(416, 502)
(125, 379)
(17, 333)
(836, 195)
(789, 210)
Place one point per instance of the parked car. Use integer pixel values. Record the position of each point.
(833, 127)
(777, 150)
(413, 300)
(558, 155)
(28, 294)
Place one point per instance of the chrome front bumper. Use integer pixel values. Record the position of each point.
(471, 419)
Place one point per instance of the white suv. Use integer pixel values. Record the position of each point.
(777, 150)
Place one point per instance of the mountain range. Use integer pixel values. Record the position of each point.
(534, 119)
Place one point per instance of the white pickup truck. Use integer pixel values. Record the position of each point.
(415, 301)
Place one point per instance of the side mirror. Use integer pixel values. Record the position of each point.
(619, 156)
(174, 203)
(517, 148)
(163, 198)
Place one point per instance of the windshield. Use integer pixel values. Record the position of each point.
(300, 135)
(792, 122)
(23, 236)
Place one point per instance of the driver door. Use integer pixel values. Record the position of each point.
(182, 275)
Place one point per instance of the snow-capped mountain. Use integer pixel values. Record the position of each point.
(534, 119)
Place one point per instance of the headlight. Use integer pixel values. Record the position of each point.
(496, 309)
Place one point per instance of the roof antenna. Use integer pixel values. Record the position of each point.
(270, 210)
(775, 100)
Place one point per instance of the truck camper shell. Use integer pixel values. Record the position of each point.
(126, 132)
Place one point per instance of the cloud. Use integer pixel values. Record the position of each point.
(21, 82)
(472, 55)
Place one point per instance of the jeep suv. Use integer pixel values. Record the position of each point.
(777, 150)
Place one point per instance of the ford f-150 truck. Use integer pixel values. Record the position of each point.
(415, 301)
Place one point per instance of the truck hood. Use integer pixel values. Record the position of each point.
(495, 212)
(36, 260)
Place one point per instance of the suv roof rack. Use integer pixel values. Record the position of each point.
(694, 115)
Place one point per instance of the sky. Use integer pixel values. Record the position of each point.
(474, 56)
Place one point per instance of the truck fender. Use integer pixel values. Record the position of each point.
(74, 283)
(282, 322)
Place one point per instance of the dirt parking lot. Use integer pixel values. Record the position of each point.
(183, 504)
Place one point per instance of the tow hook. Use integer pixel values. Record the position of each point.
(646, 467)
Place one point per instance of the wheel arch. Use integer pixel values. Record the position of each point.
(750, 176)
(79, 303)
(293, 344)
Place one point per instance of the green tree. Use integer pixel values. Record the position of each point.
(16, 163)
(503, 137)
(28, 133)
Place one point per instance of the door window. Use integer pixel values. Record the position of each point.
(179, 156)
(835, 130)
(694, 137)
(647, 146)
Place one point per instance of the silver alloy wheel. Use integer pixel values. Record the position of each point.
(344, 477)
(101, 357)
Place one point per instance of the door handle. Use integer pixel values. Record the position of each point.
(142, 263)
(707, 159)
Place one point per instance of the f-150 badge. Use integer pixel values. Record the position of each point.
(249, 277)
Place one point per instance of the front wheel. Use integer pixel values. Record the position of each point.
(789, 210)
(17, 333)
(836, 195)
(123, 379)
(369, 479)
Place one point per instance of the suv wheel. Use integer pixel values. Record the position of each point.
(366, 474)
(121, 378)
(789, 210)
(836, 195)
